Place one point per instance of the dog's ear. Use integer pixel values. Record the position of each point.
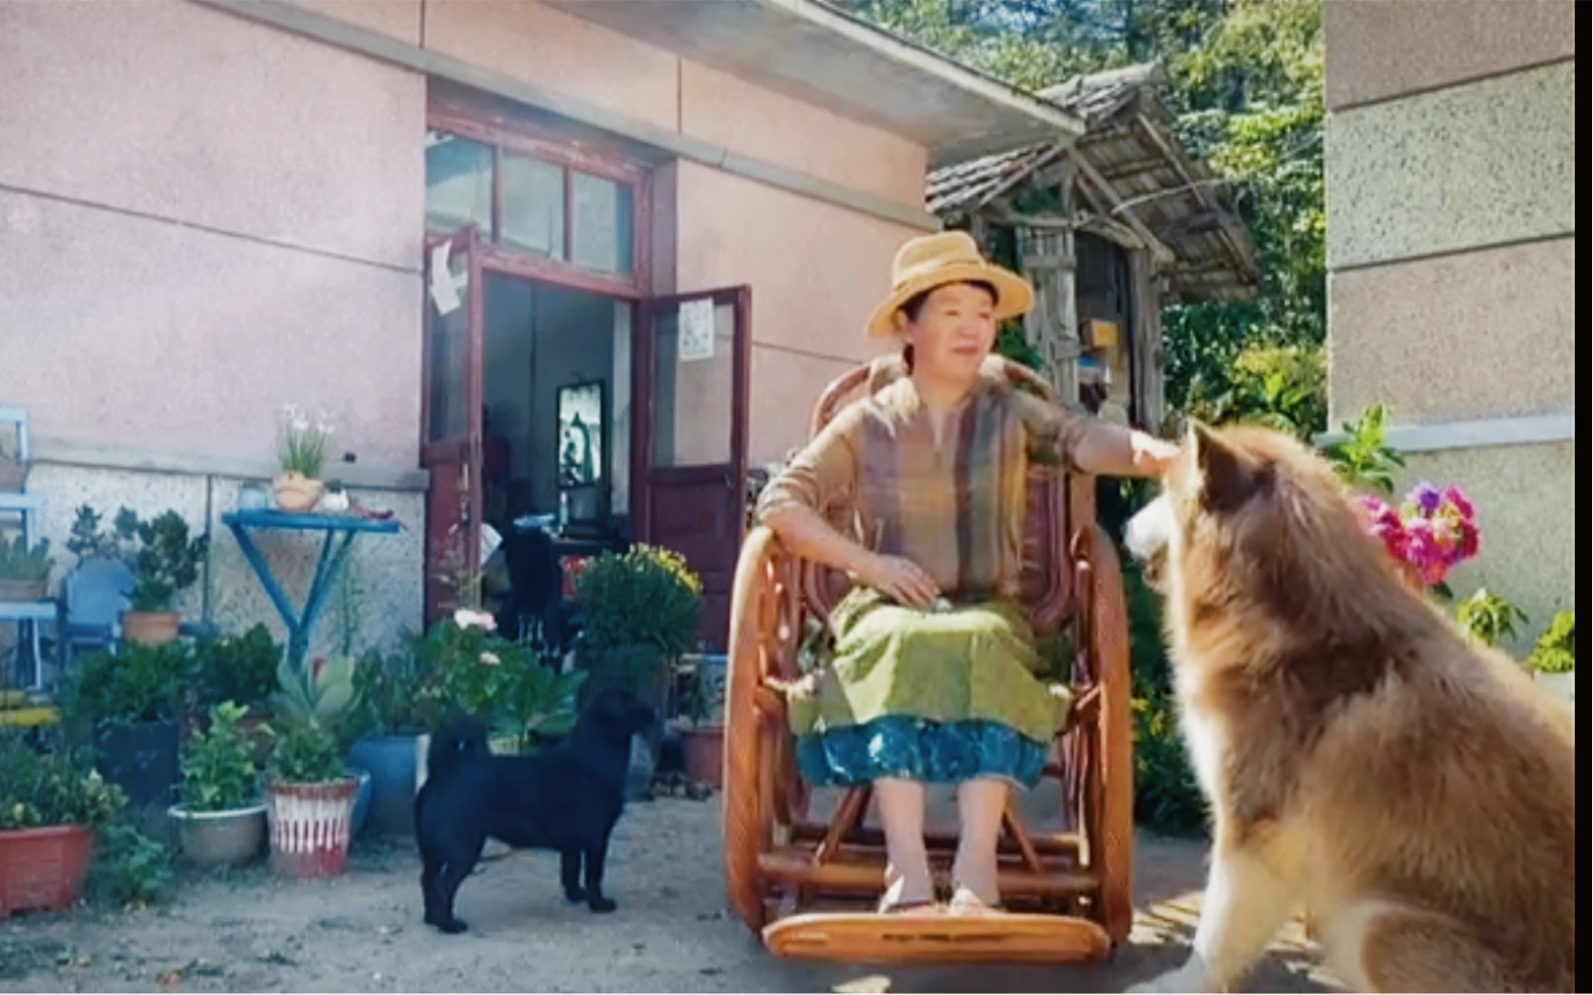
(1228, 477)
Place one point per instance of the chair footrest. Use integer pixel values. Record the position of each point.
(937, 937)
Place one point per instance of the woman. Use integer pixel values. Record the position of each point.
(934, 676)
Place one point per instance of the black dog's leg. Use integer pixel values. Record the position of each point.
(570, 874)
(461, 861)
(447, 887)
(429, 870)
(595, 856)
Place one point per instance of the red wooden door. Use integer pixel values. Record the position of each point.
(451, 399)
(691, 462)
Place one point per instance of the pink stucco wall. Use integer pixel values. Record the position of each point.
(816, 270)
(210, 217)
(204, 219)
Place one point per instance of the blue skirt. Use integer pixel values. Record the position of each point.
(915, 749)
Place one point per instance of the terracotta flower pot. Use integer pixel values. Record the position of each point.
(296, 493)
(44, 868)
(704, 747)
(311, 825)
(150, 628)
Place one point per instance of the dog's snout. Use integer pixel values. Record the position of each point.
(1147, 533)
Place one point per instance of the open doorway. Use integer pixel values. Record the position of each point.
(556, 389)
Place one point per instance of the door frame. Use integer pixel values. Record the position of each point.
(502, 126)
(466, 451)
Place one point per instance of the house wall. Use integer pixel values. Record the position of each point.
(1451, 200)
(210, 217)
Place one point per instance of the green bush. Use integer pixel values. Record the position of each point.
(1555, 652)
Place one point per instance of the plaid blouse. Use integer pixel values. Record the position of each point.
(955, 506)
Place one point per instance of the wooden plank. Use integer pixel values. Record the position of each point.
(937, 938)
(794, 866)
(1105, 189)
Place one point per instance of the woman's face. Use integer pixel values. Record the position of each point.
(953, 332)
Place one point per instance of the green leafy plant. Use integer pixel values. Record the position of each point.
(218, 768)
(19, 561)
(1555, 651)
(306, 754)
(1489, 618)
(138, 683)
(499, 681)
(53, 784)
(240, 668)
(131, 867)
(639, 612)
(1280, 386)
(396, 694)
(645, 596)
(162, 556)
(1364, 460)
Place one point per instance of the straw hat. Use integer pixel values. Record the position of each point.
(931, 261)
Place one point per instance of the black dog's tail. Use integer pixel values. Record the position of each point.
(455, 741)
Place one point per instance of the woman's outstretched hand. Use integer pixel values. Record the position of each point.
(902, 579)
(1152, 456)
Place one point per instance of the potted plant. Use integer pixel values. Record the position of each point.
(53, 804)
(398, 700)
(301, 456)
(241, 669)
(131, 704)
(24, 569)
(221, 818)
(639, 612)
(1553, 658)
(703, 740)
(165, 561)
(310, 793)
(501, 682)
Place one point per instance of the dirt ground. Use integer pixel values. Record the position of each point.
(246, 931)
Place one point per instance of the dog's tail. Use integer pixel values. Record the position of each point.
(459, 739)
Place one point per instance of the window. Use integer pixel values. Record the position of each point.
(532, 200)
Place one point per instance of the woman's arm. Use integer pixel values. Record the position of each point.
(1111, 450)
(1058, 435)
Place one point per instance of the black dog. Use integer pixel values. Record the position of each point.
(567, 798)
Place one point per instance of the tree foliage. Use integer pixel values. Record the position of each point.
(1246, 86)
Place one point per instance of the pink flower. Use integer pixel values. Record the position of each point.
(1455, 496)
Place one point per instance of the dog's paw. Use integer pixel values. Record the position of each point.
(451, 926)
(601, 904)
(575, 896)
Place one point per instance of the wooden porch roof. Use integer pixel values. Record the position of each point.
(1137, 185)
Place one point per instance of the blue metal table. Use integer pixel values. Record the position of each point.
(340, 532)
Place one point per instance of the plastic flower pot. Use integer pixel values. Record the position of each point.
(43, 869)
(311, 825)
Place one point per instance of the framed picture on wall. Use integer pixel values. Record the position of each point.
(581, 434)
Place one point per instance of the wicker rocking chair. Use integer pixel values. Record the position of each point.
(807, 886)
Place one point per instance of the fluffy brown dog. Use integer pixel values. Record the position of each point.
(1363, 760)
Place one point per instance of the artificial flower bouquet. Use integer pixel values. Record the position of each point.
(1427, 534)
